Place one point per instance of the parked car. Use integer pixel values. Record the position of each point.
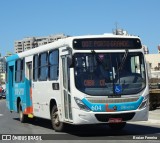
(2, 91)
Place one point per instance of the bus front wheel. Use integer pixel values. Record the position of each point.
(56, 124)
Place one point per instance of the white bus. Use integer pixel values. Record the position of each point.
(93, 79)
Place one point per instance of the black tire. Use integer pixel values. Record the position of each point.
(23, 118)
(56, 124)
(117, 126)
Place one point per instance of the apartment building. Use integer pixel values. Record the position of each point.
(18, 46)
(2, 69)
(2, 65)
(33, 42)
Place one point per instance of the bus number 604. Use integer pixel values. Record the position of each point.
(96, 108)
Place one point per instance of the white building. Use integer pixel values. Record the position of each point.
(145, 48)
(2, 69)
(154, 61)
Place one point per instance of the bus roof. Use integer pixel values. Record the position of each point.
(62, 43)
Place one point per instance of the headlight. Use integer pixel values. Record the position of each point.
(144, 102)
(81, 105)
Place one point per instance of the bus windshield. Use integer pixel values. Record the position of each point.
(107, 74)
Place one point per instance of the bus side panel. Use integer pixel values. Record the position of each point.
(42, 94)
(19, 93)
(22, 91)
(28, 108)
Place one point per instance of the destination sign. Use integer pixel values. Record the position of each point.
(106, 43)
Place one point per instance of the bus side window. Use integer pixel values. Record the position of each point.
(43, 66)
(53, 65)
(22, 69)
(35, 68)
(19, 71)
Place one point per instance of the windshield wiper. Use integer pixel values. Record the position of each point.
(123, 59)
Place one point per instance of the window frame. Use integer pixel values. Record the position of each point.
(53, 65)
(40, 69)
(19, 68)
(36, 68)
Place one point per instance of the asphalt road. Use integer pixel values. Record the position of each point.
(10, 124)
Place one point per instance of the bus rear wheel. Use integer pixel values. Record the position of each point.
(56, 124)
(117, 126)
(22, 117)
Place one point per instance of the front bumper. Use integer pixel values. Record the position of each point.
(83, 117)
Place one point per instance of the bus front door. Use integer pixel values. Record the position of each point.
(66, 89)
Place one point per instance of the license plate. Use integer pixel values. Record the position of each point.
(115, 120)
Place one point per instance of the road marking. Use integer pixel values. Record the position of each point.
(1, 114)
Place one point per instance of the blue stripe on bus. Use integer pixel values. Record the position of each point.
(11, 58)
(113, 107)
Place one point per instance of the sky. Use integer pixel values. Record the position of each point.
(29, 18)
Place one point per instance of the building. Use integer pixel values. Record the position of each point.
(2, 70)
(33, 42)
(18, 46)
(154, 61)
(2, 78)
(145, 48)
(3, 67)
(159, 48)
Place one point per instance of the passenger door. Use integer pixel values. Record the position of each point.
(66, 95)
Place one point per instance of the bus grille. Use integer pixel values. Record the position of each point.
(106, 117)
(112, 100)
